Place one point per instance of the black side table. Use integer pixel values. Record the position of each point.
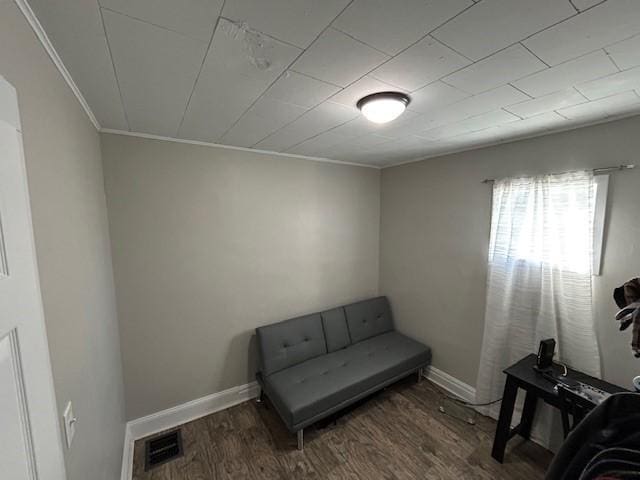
(522, 375)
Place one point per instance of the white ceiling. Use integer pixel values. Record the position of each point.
(284, 75)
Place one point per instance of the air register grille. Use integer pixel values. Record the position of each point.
(163, 449)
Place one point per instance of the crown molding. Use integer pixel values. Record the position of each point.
(57, 61)
(231, 147)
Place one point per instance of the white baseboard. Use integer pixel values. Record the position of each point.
(451, 384)
(468, 393)
(174, 416)
(127, 455)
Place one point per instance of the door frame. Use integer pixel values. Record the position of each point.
(42, 423)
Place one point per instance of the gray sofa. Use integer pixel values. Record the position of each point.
(315, 365)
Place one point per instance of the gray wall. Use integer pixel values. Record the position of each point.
(209, 243)
(435, 222)
(62, 150)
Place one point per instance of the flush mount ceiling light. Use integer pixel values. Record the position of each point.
(383, 107)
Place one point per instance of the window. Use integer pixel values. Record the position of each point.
(547, 220)
(539, 283)
(4, 267)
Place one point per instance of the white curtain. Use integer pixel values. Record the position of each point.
(539, 279)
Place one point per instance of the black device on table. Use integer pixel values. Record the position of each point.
(573, 392)
(544, 364)
(545, 355)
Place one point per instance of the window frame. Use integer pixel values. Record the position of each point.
(601, 183)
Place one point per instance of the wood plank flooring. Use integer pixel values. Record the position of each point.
(397, 434)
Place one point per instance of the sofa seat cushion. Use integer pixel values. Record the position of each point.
(308, 389)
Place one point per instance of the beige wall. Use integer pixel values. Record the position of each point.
(435, 221)
(64, 169)
(209, 243)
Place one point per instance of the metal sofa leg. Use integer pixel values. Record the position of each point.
(300, 439)
(419, 375)
(260, 398)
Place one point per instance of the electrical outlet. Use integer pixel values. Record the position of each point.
(69, 423)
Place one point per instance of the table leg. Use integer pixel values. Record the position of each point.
(578, 415)
(528, 412)
(504, 420)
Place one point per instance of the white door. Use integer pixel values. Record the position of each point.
(30, 439)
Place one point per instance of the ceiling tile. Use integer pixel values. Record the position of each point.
(626, 54)
(195, 18)
(393, 26)
(338, 59)
(371, 140)
(442, 133)
(78, 36)
(499, 69)
(361, 126)
(491, 119)
(479, 122)
(342, 151)
(156, 69)
(444, 116)
(582, 5)
(620, 104)
(249, 53)
(355, 128)
(560, 77)
(360, 88)
(476, 139)
(491, 25)
(547, 103)
(323, 117)
(472, 106)
(235, 73)
(301, 90)
(218, 101)
(314, 147)
(434, 96)
(297, 22)
(534, 125)
(408, 124)
(426, 61)
(406, 148)
(491, 100)
(261, 120)
(603, 25)
(363, 149)
(607, 86)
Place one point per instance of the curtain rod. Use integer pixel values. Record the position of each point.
(596, 171)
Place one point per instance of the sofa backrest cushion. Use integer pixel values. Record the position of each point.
(290, 342)
(336, 332)
(368, 318)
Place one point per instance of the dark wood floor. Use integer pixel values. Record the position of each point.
(397, 434)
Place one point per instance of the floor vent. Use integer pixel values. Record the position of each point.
(162, 449)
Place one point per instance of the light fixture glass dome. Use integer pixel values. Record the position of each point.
(384, 106)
